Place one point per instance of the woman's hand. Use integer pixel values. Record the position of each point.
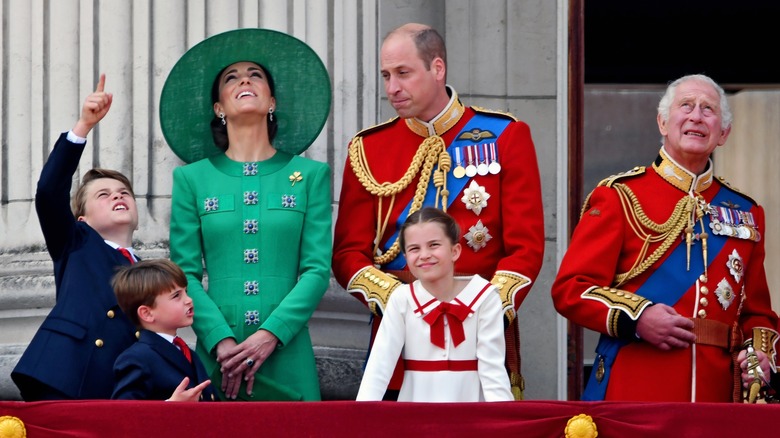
(247, 357)
(231, 378)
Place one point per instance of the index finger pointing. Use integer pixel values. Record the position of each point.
(101, 83)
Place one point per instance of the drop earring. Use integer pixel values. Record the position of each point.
(222, 117)
(271, 114)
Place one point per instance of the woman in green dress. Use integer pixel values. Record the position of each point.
(240, 107)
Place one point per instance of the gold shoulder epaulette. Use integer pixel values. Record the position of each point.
(607, 182)
(376, 127)
(732, 188)
(507, 115)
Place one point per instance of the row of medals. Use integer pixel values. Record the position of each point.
(485, 157)
(743, 228)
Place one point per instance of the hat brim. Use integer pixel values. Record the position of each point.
(302, 90)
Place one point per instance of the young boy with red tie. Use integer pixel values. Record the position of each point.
(160, 366)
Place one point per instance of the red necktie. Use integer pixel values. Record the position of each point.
(456, 313)
(179, 342)
(127, 254)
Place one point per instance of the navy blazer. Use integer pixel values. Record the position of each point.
(75, 348)
(152, 368)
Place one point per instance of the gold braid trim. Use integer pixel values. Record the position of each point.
(612, 322)
(431, 151)
(376, 286)
(517, 385)
(440, 179)
(608, 182)
(619, 301)
(765, 339)
(508, 284)
(507, 115)
(652, 232)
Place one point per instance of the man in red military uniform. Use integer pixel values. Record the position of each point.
(479, 166)
(667, 263)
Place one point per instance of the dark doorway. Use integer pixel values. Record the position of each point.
(653, 42)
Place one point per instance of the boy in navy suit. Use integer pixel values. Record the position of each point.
(160, 366)
(72, 354)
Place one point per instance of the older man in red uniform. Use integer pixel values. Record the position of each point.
(667, 263)
(480, 166)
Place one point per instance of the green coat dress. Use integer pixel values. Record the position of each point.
(263, 231)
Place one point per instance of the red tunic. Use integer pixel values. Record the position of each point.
(513, 215)
(605, 243)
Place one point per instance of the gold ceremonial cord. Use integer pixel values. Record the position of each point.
(639, 222)
(440, 179)
(431, 151)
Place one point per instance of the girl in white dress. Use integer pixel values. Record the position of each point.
(448, 330)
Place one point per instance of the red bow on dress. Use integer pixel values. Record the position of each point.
(456, 314)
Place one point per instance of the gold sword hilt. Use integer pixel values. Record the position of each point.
(756, 373)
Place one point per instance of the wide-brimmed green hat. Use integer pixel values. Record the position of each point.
(301, 82)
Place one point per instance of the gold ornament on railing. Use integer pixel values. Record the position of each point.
(12, 427)
(581, 426)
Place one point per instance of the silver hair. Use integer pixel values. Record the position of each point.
(664, 106)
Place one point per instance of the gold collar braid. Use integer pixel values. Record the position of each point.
(432, 151)
(446, 119)
(680, 177)
(688, 210)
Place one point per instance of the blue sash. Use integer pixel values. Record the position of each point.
(666, 285)
(484, 122)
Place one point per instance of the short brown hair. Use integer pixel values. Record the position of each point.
(430, 215)
(140, 283)
(430, 45)
(80, 200)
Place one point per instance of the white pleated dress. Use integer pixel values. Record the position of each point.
(404, 332)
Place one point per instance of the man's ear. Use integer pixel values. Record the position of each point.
(662, 125)
(724, 135)
(439, 68)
